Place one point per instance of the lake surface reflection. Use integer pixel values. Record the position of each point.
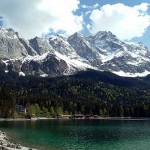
(80, 134)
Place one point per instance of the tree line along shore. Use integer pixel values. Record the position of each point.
(73, 97)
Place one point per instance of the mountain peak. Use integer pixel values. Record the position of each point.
(9, 33)
(105, 35)
(77, 35)
(106, 41)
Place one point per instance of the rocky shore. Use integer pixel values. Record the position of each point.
(5, 144)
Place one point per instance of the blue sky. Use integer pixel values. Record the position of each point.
(104, 2)
(128, 19)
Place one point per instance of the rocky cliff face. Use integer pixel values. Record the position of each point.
(41, 46)
(62, 56)
(10, 46)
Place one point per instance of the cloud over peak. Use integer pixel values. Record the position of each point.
(124, 21)
(35, 17)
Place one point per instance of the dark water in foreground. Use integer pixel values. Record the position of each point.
(81, 134)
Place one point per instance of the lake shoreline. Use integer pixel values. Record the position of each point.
(100, 118)
(5, 143)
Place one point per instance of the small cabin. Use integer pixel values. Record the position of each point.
(78, 116)
(96, 116)
(88, 116)
(64, 116)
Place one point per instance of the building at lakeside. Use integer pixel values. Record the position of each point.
(21, 108)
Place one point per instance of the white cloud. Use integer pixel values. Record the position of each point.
(96, 5)
(124, 21)
(35, 17)
(85, 6)
(90, 6)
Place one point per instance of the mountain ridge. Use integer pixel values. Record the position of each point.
(58, 55)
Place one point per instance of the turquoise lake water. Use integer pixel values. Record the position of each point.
(80, 134)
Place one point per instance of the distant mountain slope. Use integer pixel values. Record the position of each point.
(110, 78)
(105, 77)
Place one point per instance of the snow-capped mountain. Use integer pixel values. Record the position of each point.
(63, 56)
(123, 58)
